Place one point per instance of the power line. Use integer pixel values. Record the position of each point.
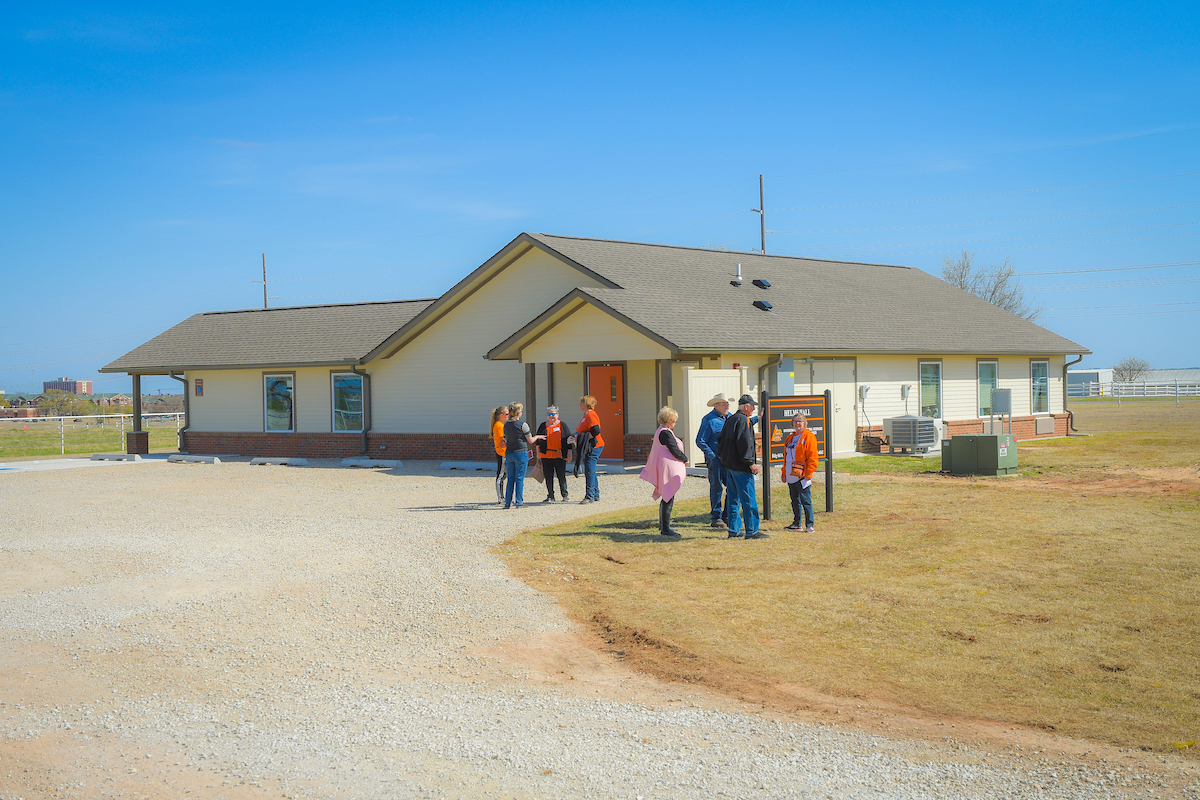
(694, 222)
(966, 224)
(988, 194)
(371, 272)
(1133, 305)
(1129, 314)
(359, 294)
(1006, 249)
(1116, 284)
(1108, 269)
(1010, 238)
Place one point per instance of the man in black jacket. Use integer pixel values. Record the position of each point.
(738, 454)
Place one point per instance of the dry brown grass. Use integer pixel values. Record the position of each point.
(1062, 599)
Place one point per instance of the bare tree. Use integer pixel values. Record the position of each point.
(1130, 369)
(997, 284)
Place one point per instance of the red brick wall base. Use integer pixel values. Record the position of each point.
(1023, 428)
(137, 442)
(415, 446)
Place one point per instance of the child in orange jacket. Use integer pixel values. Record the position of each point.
(800, 462)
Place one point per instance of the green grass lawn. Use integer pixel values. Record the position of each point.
(21, 438)
(1062, 598)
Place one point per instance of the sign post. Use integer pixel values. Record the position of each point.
(775, 417)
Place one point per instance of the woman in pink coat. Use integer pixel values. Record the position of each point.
(666, 468)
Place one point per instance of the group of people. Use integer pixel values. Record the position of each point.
(514, 445)
(731, 455)
(726, 440)
(728, 443)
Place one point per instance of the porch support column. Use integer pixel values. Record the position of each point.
(550, 383)
(530, 390)
(137, 403)
(663, 382)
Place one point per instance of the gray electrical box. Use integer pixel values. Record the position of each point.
(781, 378)
(1001, 401)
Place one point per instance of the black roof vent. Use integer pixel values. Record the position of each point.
(763, 304)
(761, 283)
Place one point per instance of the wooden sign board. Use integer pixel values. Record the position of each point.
(778, 423)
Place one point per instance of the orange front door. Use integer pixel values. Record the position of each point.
(607, 385)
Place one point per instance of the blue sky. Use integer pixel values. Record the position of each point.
(149, 158)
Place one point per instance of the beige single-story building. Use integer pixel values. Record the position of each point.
(550, 318)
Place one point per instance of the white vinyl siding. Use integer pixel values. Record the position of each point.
(447, 361)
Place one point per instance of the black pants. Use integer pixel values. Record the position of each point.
(665, 507)
(552, 467)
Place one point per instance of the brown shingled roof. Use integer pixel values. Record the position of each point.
(271, 338)
(684, 296)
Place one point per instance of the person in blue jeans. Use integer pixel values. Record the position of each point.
(517, 442)
(706, 440)
(739, 456)
(587, 434)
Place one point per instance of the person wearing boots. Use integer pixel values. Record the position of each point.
(666, 467)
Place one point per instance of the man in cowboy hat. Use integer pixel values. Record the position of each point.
(706, 440)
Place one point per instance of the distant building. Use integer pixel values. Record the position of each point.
(68, 385)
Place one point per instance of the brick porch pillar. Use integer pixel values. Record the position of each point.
(137, 443)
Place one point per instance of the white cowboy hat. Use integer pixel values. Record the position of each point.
(720, 398)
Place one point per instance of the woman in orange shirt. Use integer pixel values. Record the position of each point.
(499, 416)
(589, 426)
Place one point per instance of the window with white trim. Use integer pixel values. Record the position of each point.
(1039, 387)
(931, 389)
(347, 401)
(279, 408)
(989, 381)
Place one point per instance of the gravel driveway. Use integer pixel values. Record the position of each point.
(247, 632)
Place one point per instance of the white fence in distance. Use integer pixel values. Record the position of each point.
(1120, 389)
(121, 422)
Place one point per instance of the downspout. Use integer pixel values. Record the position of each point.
(773, 361)
(366, 405)
(1070, 413)
(187, 413)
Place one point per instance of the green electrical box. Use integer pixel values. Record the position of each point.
(965, 456)
(980, 454)
(996, 454)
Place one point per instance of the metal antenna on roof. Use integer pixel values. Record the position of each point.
(762, 215)
(264, 281)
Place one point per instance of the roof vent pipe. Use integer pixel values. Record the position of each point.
(737, 281)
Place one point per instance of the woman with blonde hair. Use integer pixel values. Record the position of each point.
(589, 443)
(666, 468)
(499, 415)
(517, 442)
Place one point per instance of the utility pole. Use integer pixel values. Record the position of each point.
(265, 274)
(762, 215)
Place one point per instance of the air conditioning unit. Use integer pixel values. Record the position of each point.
(917, 434)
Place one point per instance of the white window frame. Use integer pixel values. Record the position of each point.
(362, 384)
(267, 376)
(979, 384)
(921, 386)
(1032, 408)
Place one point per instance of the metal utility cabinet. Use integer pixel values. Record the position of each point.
(980, 454)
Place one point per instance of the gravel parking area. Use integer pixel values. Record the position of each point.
(247, 632)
